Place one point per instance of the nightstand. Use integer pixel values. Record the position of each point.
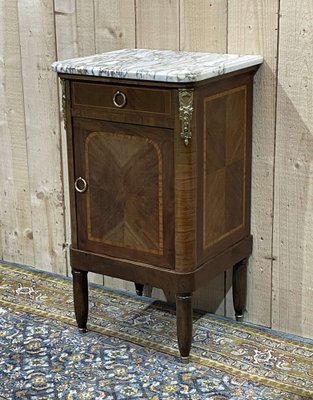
(159, 161)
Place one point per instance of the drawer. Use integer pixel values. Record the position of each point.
(121, 99)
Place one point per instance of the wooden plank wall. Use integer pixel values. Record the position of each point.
(34, 223)
(293, 206)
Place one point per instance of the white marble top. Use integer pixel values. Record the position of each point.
(157, 65)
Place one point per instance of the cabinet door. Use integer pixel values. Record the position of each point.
(127, 208)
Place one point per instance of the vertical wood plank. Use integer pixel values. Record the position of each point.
(252, 29)
(114, 24)
(293, 228)
(37, 40)
(85, 27)
(157, 24)
(65, 29)
(75, 28)
(203, 28)
(16, 237)
(66, 47)
(203, 25)
(75, 37)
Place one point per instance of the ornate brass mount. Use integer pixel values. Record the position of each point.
(64, 108)
(185, 112)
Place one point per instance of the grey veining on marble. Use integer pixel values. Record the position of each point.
(156, 65)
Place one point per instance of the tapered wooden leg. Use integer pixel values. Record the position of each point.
(139, 289)
(240, 288)
(80, 292)
(184, 324)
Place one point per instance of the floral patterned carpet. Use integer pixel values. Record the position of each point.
(130, 350)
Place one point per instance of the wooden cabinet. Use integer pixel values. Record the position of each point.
(160, 184)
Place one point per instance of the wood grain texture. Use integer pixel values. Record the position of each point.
(203, 25)
(16, 237)
(114, 28)
(75, 36)
(85, 28)
(127, 210)
(185, 196)
(126, 174)
(157, 24)
(252, 29)
(137, 100)
(37, 41)
(224, 147)
(65, 29)
(240, 272)
(114, 24)
(80, 294)
(293, 229)
(184, 323)
(66, 44)
(74, 28)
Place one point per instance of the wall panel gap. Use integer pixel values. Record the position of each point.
(274, 161)
(63, 162)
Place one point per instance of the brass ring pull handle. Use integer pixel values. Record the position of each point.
(122, 97)
(80, 185)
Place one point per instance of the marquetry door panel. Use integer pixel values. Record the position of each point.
(226, 172)
(127, 209)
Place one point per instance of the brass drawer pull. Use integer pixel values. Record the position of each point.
(80, 185)
(123, 99)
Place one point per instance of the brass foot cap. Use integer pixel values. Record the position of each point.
(185, 360)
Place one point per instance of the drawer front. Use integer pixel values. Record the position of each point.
(121, 99)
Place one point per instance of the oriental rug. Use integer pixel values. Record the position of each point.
(130, 350)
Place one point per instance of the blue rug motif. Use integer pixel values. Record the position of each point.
(130, 351)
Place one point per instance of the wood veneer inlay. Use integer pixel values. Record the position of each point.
(131, 219)
(224, 166)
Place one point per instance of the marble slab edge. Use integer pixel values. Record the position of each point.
(182, 67)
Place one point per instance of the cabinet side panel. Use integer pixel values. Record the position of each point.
(225, 170)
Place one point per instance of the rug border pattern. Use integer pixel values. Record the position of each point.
(65, 281)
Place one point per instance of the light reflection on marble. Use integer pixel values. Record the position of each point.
(156, 65)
